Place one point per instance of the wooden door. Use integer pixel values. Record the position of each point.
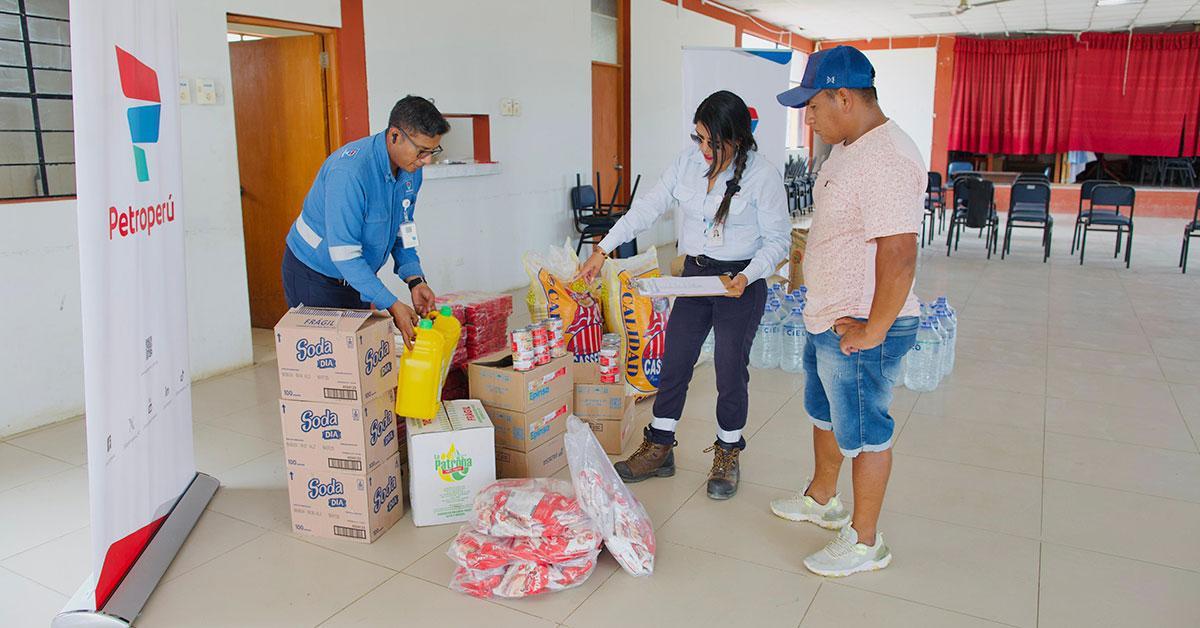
(279, 106)
(608, 130)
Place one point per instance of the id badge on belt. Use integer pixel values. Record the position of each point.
(716, 233)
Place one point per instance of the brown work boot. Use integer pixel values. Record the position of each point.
(723, 478)
(651, 460)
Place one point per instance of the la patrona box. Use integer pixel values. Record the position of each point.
(346, 505)
(343, 436)
(451, 457)
(494, 382)
(335, 355)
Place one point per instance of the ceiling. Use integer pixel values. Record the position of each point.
(860, 19)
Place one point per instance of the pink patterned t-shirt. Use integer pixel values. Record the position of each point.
(870, 189)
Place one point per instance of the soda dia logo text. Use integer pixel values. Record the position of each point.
(306, 349)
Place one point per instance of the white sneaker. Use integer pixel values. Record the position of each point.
(831, 516)
(845, 556)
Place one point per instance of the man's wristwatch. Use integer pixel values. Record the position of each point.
(414, 282)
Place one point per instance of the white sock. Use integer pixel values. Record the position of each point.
(664, 425)
(731, 437)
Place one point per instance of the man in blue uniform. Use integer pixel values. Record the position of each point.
(360, 208)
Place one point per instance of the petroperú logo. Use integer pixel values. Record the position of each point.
(140, 82)
(382, 493)
(334, 487)
(753, 118)
(452, 466)
(306, 350)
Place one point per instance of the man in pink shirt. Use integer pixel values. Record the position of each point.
(862, 316)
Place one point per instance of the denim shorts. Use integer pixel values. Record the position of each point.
(850, 394)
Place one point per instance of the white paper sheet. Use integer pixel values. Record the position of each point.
(680, 286)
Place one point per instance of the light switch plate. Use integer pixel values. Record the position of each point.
(185, 92)
(206, 92)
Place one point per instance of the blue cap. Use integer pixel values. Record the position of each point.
(833, 68)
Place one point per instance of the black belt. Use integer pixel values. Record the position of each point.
(732, 267)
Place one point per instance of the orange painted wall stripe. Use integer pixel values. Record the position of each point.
(352, 73)
(741, 24)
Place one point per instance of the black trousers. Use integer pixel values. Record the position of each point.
(303, 285)
(734, 322)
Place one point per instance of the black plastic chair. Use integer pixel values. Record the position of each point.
(592, 221)
(1085, 199)
(978, 211)
(1192, 230)
(1178, 168)
(936, 191)
(1029, 208)
(1106, 212)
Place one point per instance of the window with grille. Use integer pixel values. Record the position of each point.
(37, 149)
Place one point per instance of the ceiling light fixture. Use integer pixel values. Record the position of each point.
(1116, 3)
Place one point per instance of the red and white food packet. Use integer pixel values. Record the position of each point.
(523, 578)
(627, 529)
(533, 507)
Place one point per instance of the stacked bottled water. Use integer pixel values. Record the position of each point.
(791, 354)
(709, 347)
(925, 359)
(932, 357)
(764, 353)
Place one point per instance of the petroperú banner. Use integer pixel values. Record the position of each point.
(124, 58)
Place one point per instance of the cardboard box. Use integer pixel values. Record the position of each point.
(614, 436)
(796, 258)
(451, 458)
(542, 462)
(335, 355)
(586, 373)
(340, 436)
(345, 505)
(602, 401)
(526, 431)
(494, 382)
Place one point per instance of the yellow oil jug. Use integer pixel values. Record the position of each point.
(451, 331)
(420, 386)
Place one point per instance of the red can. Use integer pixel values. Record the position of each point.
(541, 335)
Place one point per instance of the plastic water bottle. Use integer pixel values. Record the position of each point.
(924, 361)
(791, 357)
(764, 353)
(950, 328)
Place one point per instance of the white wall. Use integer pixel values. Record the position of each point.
(904, 79)
(658, 33)
(467, 56)
(39, 259)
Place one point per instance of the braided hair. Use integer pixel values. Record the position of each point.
(727, 118)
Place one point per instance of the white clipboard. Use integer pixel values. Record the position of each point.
(708, 286)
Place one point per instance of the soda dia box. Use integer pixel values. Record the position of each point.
(450, 458)
(345, 505)
(344, 436)
(494, 382)
(335, 355)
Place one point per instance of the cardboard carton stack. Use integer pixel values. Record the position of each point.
(607, 408)
(529, 410)
(337, 380)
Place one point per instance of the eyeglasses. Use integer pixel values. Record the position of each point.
(701, 141)
(422, 152)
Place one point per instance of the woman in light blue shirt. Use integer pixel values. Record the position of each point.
(735, 223)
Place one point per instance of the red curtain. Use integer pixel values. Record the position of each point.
(1105, 92)
(1011, 96)
(1147, 108)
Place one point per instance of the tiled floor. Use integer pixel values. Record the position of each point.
(1052, 480)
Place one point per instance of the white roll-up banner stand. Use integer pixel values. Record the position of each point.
(145, 494)
(758, 76)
